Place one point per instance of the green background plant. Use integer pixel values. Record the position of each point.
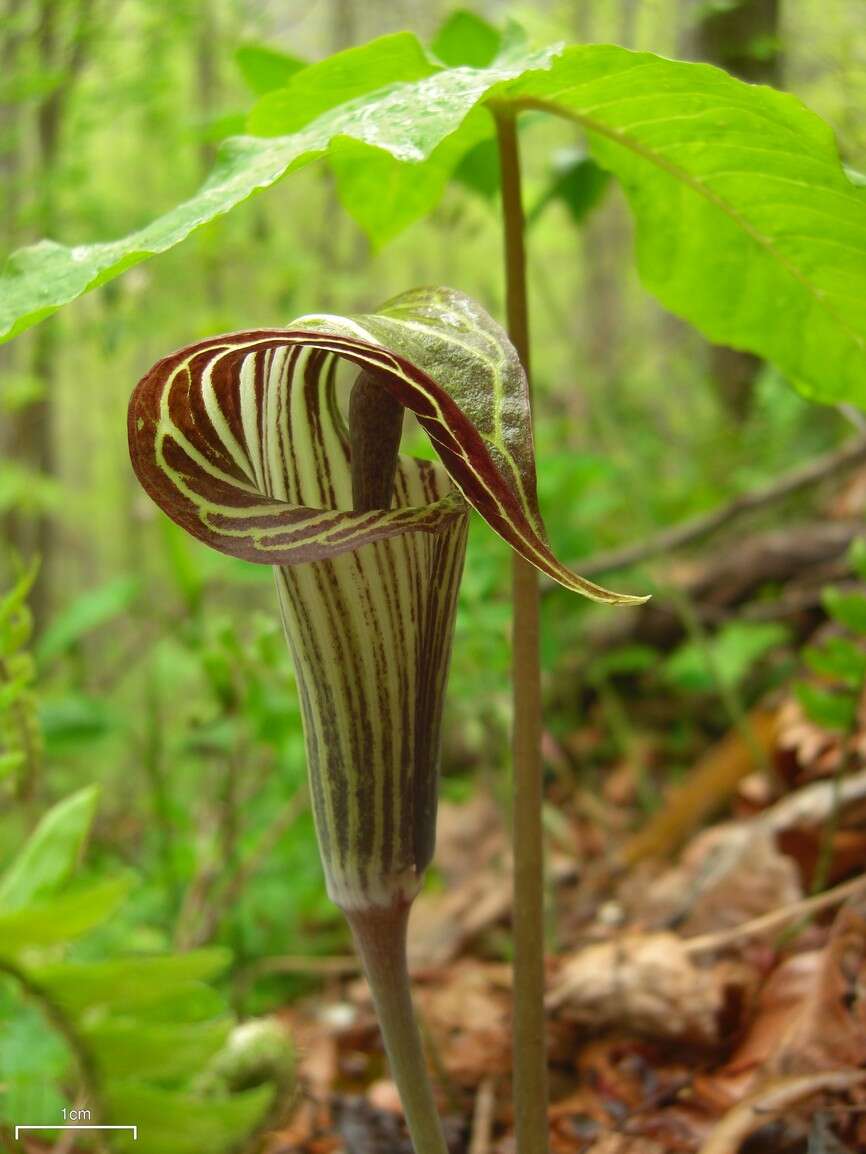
(172, 711)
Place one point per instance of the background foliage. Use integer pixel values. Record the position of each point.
(157, 669)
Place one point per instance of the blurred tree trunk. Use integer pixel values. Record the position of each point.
(10, 119)
(744, 39)
(10, 189)
(605, 237)
(331, 240)
(62, 44)
(207, 55)
(35, 440)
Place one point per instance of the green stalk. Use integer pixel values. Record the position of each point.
(530, 1049)
(380, 937)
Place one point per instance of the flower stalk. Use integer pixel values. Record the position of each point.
(530, 1044)
(380, 938)
(375, 427)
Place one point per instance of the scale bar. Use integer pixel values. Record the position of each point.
(77, 1126)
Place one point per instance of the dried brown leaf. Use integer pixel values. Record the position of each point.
(774, 1098)
(810, 1018)
(641, 983)
(729, 874)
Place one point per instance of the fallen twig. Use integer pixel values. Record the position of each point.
(696, 528)
(708, 787)
(708, 943)
(773, 1099)
(482, 1118)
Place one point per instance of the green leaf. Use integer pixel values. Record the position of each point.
(12, 690)
(52, 852)
(19, 391)
(10, 763)
(162, 1052)
(26, 490)
(16, 599)
(70, 721)
(213, 129)
(341, 79)
(171, 1122)
(625, 660)
(857, 557)
(39, 279)
(729, 656)
(264, 68)
(839, 658)
(126, 984)
(92, 609)
(60, 919)
(827, 709)
(478, 169)
(385, 195)
(578, 182)
(849, 609)
(184, 563)
(33, 1063)
(466, 39)
(747, 224)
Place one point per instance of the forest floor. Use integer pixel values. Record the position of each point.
(704, 981)
(706, 941)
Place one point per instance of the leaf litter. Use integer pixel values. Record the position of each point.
(703, 997)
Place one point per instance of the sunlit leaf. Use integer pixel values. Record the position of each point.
(37, 280)
(33, 1062)
(385, 195)
(839, 658)
(382, 64)
(10, 763)
(264, 68)
(172, 1122)
(163, 1052)
(214, 129)
(857, 557)
(124, 984)
(747, 224)
(11, 690)
(52, 852)
(831, 710)
(13, 603)
(87, 612)
(466, 38)
(849, 609)
(728, 657)
(26, 490)
(60, 919)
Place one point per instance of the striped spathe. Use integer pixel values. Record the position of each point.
(240, 440)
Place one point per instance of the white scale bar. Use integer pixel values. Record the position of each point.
(78, 1126)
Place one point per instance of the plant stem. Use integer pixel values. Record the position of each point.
(530, 1050)
(380, 936)
(57, 1017)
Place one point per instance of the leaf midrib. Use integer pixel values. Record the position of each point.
(531, 103)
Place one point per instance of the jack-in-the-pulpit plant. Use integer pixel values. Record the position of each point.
(240, 439)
